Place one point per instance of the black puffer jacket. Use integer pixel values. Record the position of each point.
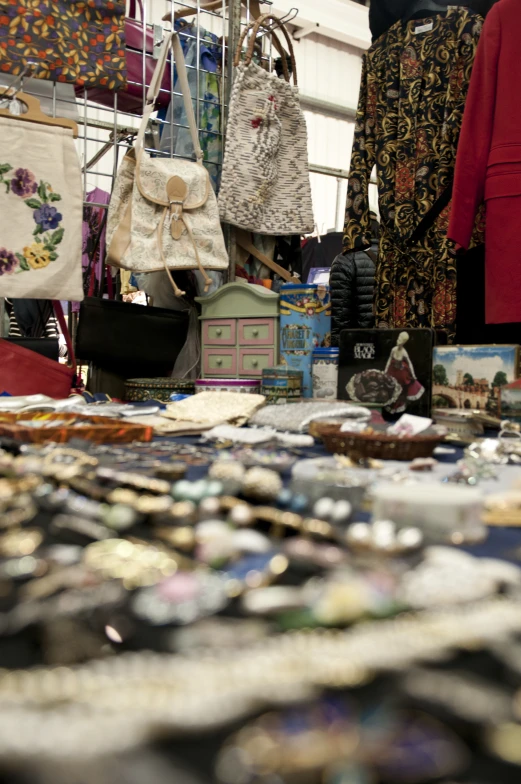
(351, 284)
(384, 13)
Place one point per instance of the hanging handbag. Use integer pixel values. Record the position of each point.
(265, 184)
(41, 207)
(163, 212)
(24, 372)
(139, 39)
(70, 40)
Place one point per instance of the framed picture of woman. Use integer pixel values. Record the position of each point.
(388, 367)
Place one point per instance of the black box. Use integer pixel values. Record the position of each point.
(390, 367)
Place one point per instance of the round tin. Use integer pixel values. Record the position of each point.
(281, 384)
(138, 390)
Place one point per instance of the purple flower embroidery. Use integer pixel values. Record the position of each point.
(8, 261)
(23, 183)
(48, 217)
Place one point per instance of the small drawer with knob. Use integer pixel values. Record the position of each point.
(219, 362)
(253, 361)
(256, 332)
(220, 332)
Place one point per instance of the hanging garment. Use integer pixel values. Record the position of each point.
(70, 40)
(384, 13)
(351, 285)
(31, 318)
(93, 248)
(488, 165)
(320, 252)
(175, 135)
(413, 90)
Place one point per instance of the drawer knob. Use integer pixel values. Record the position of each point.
(218, 332)
(219, 361)
(255, 333)
(255, 362)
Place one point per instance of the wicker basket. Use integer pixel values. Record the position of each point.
(376, 445)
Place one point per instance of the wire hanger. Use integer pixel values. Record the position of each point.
(12, 97)
(286, 19)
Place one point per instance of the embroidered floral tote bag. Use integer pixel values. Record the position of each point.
(265, 184)
(163, 212)
(41, 212)
(79, 41)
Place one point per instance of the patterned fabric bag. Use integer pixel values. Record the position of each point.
(265, 179)
(70, 40)
(163, 212)
(41, 208)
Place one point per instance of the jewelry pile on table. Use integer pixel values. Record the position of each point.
(150, 600)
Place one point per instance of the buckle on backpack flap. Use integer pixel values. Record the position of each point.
(177, 191)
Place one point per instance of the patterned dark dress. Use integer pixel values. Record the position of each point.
(412, 95)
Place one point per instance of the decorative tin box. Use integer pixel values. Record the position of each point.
(281, 384)
(325, 373)
(305, 324)
(390, 367)
(243, 385)
(138, 390)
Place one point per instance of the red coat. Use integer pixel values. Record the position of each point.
(488, 164)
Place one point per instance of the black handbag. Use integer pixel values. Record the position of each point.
(132, 340)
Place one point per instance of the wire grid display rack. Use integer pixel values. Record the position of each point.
(107, 133)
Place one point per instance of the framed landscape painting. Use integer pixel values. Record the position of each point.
(471, 377)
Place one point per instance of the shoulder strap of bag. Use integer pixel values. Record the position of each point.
(372, 255)
(172, 39)
(58, 310)
(89, 274)
(254, 27)
(245, 243)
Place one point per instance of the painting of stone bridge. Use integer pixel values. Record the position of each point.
(472, 376)
(462, 397)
